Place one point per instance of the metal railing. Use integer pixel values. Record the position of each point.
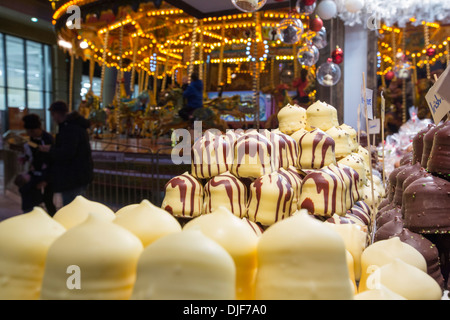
(123, 173)
(131, 174)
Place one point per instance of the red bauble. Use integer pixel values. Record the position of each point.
(431, 52)
(389, 75)
(308, 2)
(316, 24)
(338, 55)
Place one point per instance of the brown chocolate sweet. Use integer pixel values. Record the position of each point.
(426, 204)
(407, 158)
(418, 143)
(429, 251)
(393, 182)
(414, 176)
(383, 203)
(439, 160)
(401, 177)
(388, 216)
(427, 145)
(389, 229)
(390, 206)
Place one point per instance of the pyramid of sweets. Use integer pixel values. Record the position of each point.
(270, 215)
(310, 162)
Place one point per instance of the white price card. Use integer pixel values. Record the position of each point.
(369, 99)
(438, 97)
(374, 126)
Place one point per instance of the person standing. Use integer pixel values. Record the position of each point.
(194, 97)
(35, 186)
(72, 164)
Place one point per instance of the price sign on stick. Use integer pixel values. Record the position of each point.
(374, 126)
(369, 98)
(438, 97)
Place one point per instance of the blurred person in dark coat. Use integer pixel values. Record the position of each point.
(72, 165)
(35, 186)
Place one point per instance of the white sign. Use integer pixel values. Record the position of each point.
(369, 98)
(374, 126)
(438, 97)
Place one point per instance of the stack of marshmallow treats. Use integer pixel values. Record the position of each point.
(310, 162)
(417, 204)
(283, 214)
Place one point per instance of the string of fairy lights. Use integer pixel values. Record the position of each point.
(170, 53)
(386, 55)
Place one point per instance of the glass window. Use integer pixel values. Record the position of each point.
(2, 63)
(48, 118)
(47, 72)
(2, 75)
(15, 66)
(16, 98)
(35, 66)
(35, 99)
(25, 77)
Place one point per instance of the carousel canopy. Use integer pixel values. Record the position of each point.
(140, 34)
(203, 9)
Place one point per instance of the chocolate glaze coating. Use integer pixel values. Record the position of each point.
(427, 145)
(407, 158)
(418, 143)
(439, 160)
(383, 203)
(388, 216)
(414, 176)
(427, 249)
(389, 229)
(390, 206)
(393, 182)
(426, 205)
(401, 177)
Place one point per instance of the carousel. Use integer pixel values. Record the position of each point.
(248, 62)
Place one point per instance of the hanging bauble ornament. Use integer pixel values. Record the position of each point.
(290, 30)
(316, 24)
(248, 5)
(389, 75)
(308, 2)
(320, 39)
(338, 55)
(316, 53)
(328, 73)
(431, 52)
(307, 56)
(305, 9)
(354, 5)
(326, 9)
